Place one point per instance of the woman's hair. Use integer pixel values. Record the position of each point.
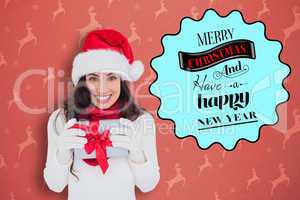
(81, 99)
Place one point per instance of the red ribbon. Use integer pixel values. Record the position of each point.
(97, 142)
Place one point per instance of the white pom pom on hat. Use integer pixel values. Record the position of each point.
(106, 50)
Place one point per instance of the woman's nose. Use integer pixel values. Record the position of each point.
(101, 87)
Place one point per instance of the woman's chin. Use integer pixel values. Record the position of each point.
(102, 105)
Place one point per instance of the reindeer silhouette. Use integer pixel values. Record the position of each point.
(205, 165)
(16, 98)
(133, 36)
(217, 197)
(194, 12)
(29, 141)
(2, 162)
(176, 179)
(162, 9)
(294, 27)
(264, 9)
(2, 60)
(12, 196)
(28, 38)
(93, 24)
(59, 10)
(253, 179)
(281, 179)
(293, 130)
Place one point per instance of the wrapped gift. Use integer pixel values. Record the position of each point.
(111, 151)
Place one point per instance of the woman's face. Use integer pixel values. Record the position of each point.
(105, 88)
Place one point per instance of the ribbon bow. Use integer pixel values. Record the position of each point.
(97, 142)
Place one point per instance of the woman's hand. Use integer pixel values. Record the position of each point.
(126, 136)
(68, 140)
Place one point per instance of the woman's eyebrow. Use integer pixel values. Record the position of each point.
(92, 74)
(110, 73)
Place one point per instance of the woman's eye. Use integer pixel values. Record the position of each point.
(112, 78)
(92, 78)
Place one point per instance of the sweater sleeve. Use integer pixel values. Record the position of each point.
(55, 174)
(146, 174)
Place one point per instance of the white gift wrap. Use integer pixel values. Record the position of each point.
(111, 151)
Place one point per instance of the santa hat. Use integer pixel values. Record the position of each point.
(106, 50)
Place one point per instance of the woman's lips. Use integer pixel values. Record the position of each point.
(103, 99)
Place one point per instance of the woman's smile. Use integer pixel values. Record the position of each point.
(103, 99)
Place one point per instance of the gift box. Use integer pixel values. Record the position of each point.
(111, 151)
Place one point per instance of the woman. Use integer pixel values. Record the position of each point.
(100, 74)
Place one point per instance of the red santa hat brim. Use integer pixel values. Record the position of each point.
(101, 60)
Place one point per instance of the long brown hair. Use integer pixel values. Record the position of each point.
(81, 99)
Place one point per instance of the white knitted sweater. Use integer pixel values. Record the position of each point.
(118, 183)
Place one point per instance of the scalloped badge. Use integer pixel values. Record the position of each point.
(219, 79)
